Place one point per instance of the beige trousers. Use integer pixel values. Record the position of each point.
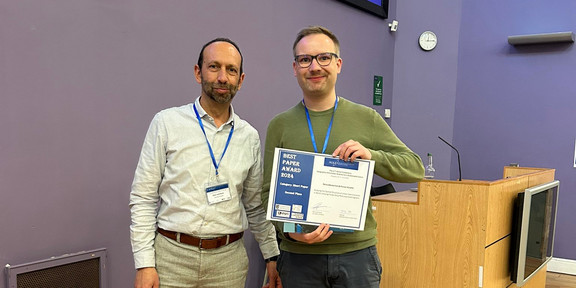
(184, 266)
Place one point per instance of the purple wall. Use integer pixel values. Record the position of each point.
(81, 80)
(498, 104)
(517, 104)
(425, 82)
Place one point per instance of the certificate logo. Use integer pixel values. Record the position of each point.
(284, 214)
(337, 163)
(298, 216)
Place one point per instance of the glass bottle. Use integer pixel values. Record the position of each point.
(429, 173)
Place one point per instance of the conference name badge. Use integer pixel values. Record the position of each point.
(217, 192)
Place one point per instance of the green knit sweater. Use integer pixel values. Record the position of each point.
(393, 161)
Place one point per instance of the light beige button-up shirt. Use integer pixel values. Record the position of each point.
(174, 168)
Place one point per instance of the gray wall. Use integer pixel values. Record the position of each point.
(81, 80)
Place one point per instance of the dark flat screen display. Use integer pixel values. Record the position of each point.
(534, 224)
(378, 8)
(540, 230)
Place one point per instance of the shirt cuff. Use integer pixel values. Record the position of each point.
(144, 259)
(270, 249)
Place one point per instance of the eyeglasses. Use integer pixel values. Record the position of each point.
(323, 59)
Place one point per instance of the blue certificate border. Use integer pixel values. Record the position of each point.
(291, 181)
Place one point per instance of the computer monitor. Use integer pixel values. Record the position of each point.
(534, 223)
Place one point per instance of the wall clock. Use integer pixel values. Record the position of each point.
(428, 40)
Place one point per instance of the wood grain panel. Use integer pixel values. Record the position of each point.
(501, 203)
(452, 229)
(435, 243)
(541, 177)
(510, 171)
(496, 267)
(537, 281)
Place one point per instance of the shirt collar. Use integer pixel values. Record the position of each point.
(203, 113)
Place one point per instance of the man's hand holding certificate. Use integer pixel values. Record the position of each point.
(310, 188)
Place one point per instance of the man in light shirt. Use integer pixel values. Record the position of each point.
(197, 187)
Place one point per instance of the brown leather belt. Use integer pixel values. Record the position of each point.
(206, 243)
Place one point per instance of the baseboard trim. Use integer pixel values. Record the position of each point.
(564, 266)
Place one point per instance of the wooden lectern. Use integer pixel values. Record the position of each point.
(452, 233)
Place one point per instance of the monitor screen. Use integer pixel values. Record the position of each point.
(376, 7)
(533, 234)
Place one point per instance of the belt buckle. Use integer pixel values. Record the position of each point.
(217, 242)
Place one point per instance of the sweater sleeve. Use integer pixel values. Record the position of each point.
(394, 160)
(272, 141)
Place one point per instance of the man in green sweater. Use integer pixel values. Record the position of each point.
(325, 123)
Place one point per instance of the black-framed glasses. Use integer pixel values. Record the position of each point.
(323, 59)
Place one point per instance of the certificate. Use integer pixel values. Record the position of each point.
(311, 188)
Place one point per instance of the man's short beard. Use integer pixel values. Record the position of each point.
(208, 89)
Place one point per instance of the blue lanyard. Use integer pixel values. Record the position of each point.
(327, 132)
(216, 165)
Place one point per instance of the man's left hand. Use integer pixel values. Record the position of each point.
(351, 150)
(273, 277)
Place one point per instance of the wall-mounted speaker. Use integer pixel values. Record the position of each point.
(557, 37)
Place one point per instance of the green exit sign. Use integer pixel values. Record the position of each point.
(377, 90)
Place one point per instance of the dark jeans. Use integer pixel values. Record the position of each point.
(360, 269)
